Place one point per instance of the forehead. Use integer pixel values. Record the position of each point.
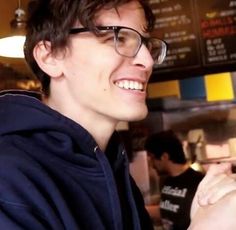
(122, 16)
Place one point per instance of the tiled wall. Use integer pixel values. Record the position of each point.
(214, 87)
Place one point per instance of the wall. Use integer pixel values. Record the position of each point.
(7, 9)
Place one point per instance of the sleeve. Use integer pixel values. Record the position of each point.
(20, 197)
(15, 217)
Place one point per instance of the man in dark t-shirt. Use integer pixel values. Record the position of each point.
(179, 187)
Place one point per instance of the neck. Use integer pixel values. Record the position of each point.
(177, 169)
(101, 134)
(100, 127)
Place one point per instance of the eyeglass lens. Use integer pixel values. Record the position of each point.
(128, 43)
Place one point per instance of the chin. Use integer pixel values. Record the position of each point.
(138, 115)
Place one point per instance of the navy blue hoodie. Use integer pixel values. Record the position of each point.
(54, 176)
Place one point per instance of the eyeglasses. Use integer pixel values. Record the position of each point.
(128, 41)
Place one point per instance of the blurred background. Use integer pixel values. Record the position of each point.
(14, 72)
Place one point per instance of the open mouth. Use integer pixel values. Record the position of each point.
(130, 85)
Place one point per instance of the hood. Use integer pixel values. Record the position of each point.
(28, 115)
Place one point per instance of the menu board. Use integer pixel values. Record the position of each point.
(201, 37)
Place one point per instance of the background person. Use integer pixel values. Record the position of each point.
(179, 187)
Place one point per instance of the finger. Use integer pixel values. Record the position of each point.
(226, 187)
(218, 190)
(216, 184)
(214, 181)
(214, 170)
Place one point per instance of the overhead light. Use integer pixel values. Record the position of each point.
(12, 45)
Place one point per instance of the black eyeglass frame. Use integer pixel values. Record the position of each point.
(116, 29)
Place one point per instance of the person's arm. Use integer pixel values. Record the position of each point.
(154, 212)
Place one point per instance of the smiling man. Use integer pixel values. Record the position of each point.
(62, 165)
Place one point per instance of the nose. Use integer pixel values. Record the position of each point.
(144, 58)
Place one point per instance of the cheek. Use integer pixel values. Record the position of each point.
(97, 68)
(99, 65)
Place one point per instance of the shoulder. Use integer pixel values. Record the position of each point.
(20, 175)
(22, 190)
(195, 174)
(12, 157)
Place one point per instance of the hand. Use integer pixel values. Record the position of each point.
(218, 182)
(220, 215)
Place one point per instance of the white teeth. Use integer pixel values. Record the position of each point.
(134, 85)
(126, 85)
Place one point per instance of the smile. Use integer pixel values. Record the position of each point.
(133, 85)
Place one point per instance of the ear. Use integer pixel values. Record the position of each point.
(165, 156)
(46, 60)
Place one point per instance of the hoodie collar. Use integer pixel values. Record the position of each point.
(27, 114)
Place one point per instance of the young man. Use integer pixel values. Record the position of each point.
(180, 185)
(61, 163)
(62, 166)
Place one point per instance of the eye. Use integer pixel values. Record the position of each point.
(106, 36)
(109, 38)
(149, 44)
(121, 38)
